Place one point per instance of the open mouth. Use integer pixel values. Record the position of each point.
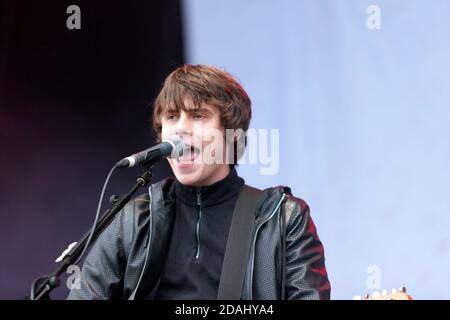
(189, 154)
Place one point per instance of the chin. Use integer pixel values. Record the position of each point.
(190, 179)
(188, 174)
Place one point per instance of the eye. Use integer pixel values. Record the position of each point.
(171, 116)
(198, 116)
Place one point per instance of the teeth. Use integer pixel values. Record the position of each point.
(189, 149)
(188, 154)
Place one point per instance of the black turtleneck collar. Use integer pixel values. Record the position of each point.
(210, 195)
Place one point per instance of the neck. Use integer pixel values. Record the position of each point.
(219, 174)
(211, 194)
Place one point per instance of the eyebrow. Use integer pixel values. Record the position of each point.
(200, 109)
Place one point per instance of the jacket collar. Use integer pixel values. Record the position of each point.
(210, 195)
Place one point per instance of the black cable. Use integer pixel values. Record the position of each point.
(97, 215)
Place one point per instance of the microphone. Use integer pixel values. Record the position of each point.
(173, 147)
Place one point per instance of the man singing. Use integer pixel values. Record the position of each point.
(170, 243)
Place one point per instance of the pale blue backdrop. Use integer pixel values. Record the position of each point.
(363, 117)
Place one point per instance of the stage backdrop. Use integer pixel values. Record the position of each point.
(72, 103)
(359, 91)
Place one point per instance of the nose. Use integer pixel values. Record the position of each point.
(184, 125)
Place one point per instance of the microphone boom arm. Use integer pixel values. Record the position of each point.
(51, 281)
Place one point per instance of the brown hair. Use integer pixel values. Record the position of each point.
(201, 84)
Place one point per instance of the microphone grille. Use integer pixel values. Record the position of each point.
(177, 146)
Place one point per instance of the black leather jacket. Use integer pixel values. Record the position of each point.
(126, 260)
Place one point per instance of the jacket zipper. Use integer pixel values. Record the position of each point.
(197, 227)
(252, 252)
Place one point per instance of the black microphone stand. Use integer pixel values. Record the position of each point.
(49, 282)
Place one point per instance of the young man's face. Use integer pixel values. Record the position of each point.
(203, 162)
